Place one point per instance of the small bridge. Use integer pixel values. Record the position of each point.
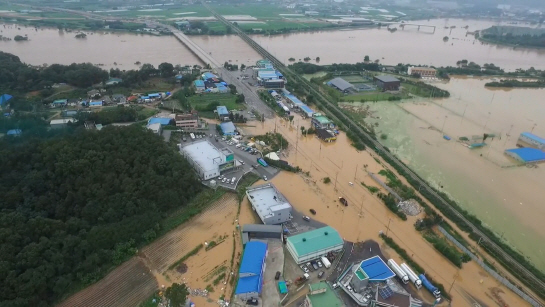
(404, 24)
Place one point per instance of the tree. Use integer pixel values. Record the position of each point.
(166, 70)
(366, 58)
(291, 59)
(240, 98)
(318, 59)
(177, 295)
(242, 66)
(291, 118)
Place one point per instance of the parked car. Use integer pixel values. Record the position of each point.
(320, 274)
(265, 178)
(233, 180)
(252, 302)
(319, 263)
(313, 211)
(309, 265)
(343, 201)
(335, 286)
(306, 218)
(314, 265)
(277, 276)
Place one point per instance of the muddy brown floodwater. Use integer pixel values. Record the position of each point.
(365, 216)
(484, 181)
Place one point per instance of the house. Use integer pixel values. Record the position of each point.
(188, 120)
(119, 98)
(387, 83)
(321, 122)
(93, 94)
(156, 128)
(269, 204)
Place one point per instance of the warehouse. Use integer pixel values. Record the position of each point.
(269, 204)
(258, 231)
(207, 160)
(228, 128)
(341, 84)
(60, 123)
(222, 112)
(252, 266)
(314, 244)
(527, 139)
(387, 83)
(424, 72)
(526, 155)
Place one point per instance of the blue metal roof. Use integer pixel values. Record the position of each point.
(154, 95)
(533, 137)
(528, 154)
(199, 83)
(228, 128)
(251, 268)
(4, 99)
(293, 99)
(222, 110)
(208, 75)
(14, 132)
(305, 108)
(159, 120)
(376, 269)
(95, 103)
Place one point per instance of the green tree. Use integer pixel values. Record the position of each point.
(166, 70)
(366, 58)
(176, 295)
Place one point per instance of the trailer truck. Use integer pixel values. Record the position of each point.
(326, 262)
(399, 272)
(412, 276)
(428, 285)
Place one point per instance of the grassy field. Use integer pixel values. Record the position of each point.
(355, 79)
(372, 96)
(216, 26)
(227, 100)
(283, 24)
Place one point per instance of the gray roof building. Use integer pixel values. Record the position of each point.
(341, 84)
(386, 78)
(271, 206)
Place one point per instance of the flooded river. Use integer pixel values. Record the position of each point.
(484, 181)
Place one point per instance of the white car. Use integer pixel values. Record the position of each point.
(265, 178)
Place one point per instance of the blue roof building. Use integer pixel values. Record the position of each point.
(199, 84)
(60, 102)
(526, 154)
(527, 139)
(222, 111)
(308, 111)
(376, 269)
(208, 75)
(250, 275)
(164, 121)
(95, 104)
(4, 99)
(228, 128)
(14, 132)
(154, 95)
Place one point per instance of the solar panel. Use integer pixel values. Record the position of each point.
(385, 292)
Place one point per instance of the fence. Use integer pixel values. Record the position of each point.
(493, 273)
(385, 186)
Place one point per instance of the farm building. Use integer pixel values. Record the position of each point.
(527, 139)
(313, 244)
(322, 295)
(341, 84)
(269, 204)
(60, 123)
(325, 135)
(207, 160)
(258, 231)
(228, 128)
(424, 72)
(387, 83)
(250, 274)
(526, 154)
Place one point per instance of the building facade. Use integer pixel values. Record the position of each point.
(314, 244)
(188, 120)
(424, 72)
(527, 139)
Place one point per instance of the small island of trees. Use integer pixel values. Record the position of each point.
(18, 38)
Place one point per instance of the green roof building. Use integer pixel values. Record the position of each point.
(314, 244)
(321, 122)
(321, 295)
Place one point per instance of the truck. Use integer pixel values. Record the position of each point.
(412, 276)
(262, 162)
(326, 262)
(428, 285)
(399, 272)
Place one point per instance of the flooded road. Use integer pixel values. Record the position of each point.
(483, 181)
(366, 215)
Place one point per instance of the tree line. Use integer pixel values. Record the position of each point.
(309, 68)
(74, 206)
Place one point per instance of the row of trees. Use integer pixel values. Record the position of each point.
(73, 207)
(309, 68)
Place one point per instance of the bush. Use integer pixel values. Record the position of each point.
(282, 165)
(326, 180)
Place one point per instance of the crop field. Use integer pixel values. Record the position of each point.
(227, 100)
(137, 279)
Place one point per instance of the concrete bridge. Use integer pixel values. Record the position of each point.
(205, 57)
(403, 25)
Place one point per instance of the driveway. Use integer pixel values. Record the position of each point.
(270, 295)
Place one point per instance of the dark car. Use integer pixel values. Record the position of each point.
(277, 276)
(252, 301)
(313, 211)
(343, 201)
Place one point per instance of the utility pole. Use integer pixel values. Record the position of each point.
(335, 188)
(444, 124)
(388, 227)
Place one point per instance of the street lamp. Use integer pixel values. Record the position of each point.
(444, 122)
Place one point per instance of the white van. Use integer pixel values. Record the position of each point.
(233, 180)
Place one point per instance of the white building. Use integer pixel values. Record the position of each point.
(207, 160)
(60, 123)
(156, 128)
(271, 206)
